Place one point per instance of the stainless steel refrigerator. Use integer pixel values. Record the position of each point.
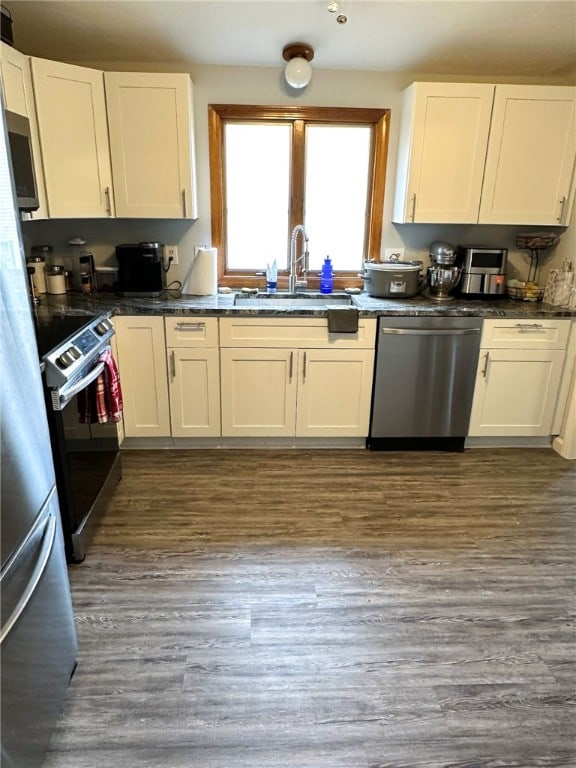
(37, 635)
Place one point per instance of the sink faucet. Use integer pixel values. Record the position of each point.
(292, 281)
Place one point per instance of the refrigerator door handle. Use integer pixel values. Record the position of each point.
(41, 565)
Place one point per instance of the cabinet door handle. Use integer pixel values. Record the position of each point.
(413, 207)
(173, 364)
(562, 207)
(304, 367)
(291, 366)
(190, 326)
(485, 369)
(525, 327)
(107, 199)
(184, 209)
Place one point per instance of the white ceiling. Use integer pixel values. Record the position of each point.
(461, 37)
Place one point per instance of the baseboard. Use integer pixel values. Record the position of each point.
(206, 443)
(563, 449)
(508, 442)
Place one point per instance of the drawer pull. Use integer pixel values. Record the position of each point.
(173, 364)
(304, 368)
(524, 327)
(291, 366)
(190, 326)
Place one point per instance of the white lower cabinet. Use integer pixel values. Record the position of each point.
(274, 389)
(518, 378)
(193, 376)
(334, 392)
(142, 366)
(258, 392)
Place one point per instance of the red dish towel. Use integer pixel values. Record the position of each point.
(102, 400)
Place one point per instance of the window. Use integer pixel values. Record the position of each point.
(272, 168)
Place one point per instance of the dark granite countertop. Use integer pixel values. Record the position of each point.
(223, 305)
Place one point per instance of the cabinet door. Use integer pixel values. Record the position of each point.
(19, 98)
(142, 365)
(194, 386)
(530, 156)
(443, 140)
(515, 393)
(258, 392)
(334, 392)
(74, 138)
(151, 141)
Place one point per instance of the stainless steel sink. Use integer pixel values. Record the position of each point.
(291, 300)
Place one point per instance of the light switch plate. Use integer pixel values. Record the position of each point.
(171, 251)
(394, 252)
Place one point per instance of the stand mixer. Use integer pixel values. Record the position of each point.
(442, 276)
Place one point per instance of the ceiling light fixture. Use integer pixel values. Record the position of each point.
(337, 6)
(298, 71)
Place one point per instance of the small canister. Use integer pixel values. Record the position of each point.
(87, 273)
(56, 279)
(39, 274)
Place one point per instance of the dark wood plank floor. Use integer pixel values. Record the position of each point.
(328, 609)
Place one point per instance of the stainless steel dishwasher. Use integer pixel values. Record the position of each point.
(423, 382)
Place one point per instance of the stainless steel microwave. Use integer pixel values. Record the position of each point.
(20, 143)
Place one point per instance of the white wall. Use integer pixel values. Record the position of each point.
(257, 85)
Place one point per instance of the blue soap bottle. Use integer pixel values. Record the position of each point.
(326, 276)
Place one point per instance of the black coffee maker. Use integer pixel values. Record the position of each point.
(141, 269)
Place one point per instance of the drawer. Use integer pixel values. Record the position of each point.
(525, 333)
(190, 331)
(303, 333)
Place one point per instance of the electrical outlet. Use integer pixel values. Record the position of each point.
(171, 251)
(396, 253)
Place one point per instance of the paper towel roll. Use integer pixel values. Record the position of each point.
(203, 280)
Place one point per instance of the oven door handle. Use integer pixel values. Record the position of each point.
(65, 395)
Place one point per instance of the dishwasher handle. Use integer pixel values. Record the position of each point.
(431, 331)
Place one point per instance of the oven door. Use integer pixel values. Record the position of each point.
(87, 465)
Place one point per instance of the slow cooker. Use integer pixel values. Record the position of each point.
(392, 279)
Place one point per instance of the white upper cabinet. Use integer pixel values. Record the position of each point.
(488, 154)
(73, 129)
(530, 157)
(443, 140)
(19, 98)
(151, 141)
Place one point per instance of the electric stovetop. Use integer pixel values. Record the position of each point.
(52, 329)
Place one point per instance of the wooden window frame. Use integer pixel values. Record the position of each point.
(219, 114)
